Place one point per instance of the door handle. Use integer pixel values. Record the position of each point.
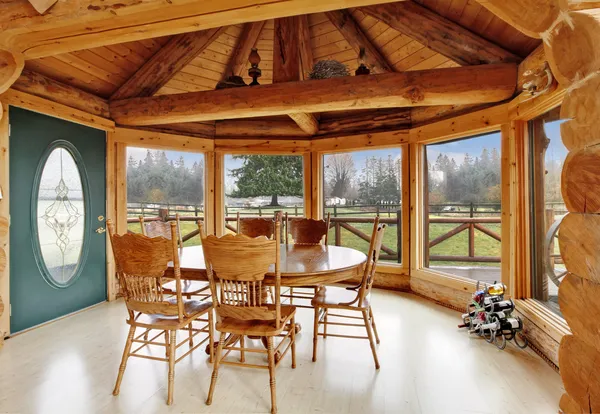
(100, 230)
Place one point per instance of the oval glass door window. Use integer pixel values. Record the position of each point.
(60, 215)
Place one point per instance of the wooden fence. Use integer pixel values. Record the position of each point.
(394, 220)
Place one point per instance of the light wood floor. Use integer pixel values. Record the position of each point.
(427, 366)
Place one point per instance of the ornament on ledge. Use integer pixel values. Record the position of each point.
(325, 69)
(254, 72)
(235, 81)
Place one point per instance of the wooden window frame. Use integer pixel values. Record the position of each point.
(317, 178)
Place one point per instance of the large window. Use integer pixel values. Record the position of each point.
(357, 187)
(161, 184)
(462, 207)
(547, 158)
(261, 185)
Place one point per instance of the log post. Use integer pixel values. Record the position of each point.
(11, 66)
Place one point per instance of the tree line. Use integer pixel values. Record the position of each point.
(155, 179)
(475, 180)
(379, 181)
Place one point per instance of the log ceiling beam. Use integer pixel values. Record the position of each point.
(258, 128)
(85, 24)
(345, 23)
(364, 122)
(439, 34)
(286, 64)
(164, 64)
(450, 86)
(239, 59)
(306, 54)
(39, 85)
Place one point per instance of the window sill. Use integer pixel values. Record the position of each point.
(552, 324)
(444, 279)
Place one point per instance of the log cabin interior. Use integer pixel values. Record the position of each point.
(83, 84)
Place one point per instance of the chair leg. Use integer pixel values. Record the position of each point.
(370, 334)
(293, 338)
(172, 346)
(271, 354)
(315, 334)
(191, 330)
(373, 324)
(124, 359)
(215, 373)
(211, 335)
(325, 324)
(242, 353)
(291, 296)
(167, 344)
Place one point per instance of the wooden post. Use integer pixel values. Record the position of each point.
(259, 211)
(296, 211)
(142, 207)
(334, 210)
(471, 239)
(471, 210)
(338, 234)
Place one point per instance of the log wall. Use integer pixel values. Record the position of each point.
(572, 46)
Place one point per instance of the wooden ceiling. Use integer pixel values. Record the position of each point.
(102, 71)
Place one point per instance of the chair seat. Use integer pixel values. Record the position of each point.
(257, 327)
(188, 287)
(338, 297)
(193, 308)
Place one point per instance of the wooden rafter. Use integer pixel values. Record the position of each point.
(306, 54)
(343, 20)
(439, 34)
(39, 85)
(170, 59)
(452, 86)
(239, 59)
(85, 24)
(286, 64)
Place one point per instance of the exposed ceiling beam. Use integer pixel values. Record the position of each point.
(451, 86)
(164, 64)
(44, 87)
(343, 20)
(306, 55)
(528, 16)
(258, 128)
(439, 34)
(239, 59)
(286, 64)
(286, 55)
(84, 24)
(193, 129)
(363, 121)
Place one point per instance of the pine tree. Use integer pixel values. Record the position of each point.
(268, 175)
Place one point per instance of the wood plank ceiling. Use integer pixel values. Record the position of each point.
(103, 70)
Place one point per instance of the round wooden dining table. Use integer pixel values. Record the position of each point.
(300, 265)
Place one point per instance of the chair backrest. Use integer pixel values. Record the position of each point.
(159, 228)
(240, 263)
(372, 259)
(141, 262)
(307, 230)
(255, 226)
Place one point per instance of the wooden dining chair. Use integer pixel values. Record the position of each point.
(356, 298)
(256, 226)
(305, 231)
(239, 263)
(141, 262)
(161, 228)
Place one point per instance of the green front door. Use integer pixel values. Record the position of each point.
(57, 202)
